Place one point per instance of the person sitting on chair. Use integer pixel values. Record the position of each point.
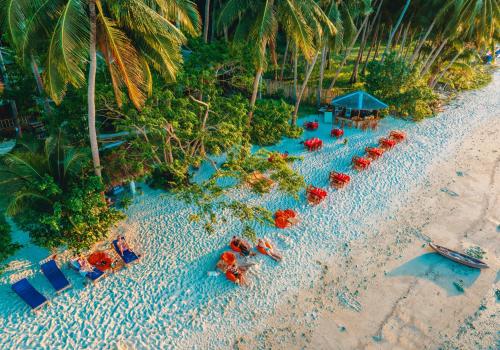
(122, 244)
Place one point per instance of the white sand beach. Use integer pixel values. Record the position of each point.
(357, 272)
(400, 294)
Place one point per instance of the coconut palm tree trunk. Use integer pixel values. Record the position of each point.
(435, 79)
(430, 62)
(403, 41)
(284, 59)
(348, 52)
(91, 90)
(302, 88)
(295, 73)
(206, 24)
(321, 76)
(421, 43)
(372, 45)
(253, 99)
(354, 75)
(377, 46)
(394, 30)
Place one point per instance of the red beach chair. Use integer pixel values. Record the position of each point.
(285, 218)
(315, 195)
(397, 135)
(374, 152)
(339, 180)
(313, 144)
(338, 133)
(386, 143)
(311, 125)
(360, 163)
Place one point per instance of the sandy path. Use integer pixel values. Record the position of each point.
(405, 294)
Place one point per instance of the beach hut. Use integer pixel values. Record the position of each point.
(358, 109)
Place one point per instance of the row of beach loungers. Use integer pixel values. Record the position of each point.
(25, 290)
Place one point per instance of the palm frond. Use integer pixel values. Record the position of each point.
(67, 52)
(124, 63)
(16, 204)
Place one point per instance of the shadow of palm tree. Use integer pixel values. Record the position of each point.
(445, 273)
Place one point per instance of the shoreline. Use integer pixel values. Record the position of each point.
(401, 295)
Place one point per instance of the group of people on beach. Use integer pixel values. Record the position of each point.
(235, 270)
(84, 266)
(263, 246)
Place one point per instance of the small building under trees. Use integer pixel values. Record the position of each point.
(358, 109)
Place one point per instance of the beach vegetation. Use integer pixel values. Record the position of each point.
(211, 197)
(140, 94)
(54, 197)
(271, 122)
(7, 247)
(401, 87)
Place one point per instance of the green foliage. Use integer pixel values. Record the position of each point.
(210, 197)
(466, 77)
(54, 198)
(123, 164)
(270, 122)
(401, 88)
(168, 176)
(76, 218)
(294, 132)
(476, 252)
(7, 248)
(22, 90)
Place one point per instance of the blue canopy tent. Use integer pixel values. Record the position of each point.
(357, 101)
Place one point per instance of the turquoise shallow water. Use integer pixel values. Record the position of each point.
(168, 301)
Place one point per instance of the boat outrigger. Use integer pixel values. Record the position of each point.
(459, 257)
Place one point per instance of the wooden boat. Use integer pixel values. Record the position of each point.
(459, 257)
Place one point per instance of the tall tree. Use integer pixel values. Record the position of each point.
(131, 35)
(395, 28)
(206, 22)
(258, 22)
(477, 21)
(363, 11)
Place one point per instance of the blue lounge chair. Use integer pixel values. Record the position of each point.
(55, 275)
(29, 294)
(94, 276)
(128, 256)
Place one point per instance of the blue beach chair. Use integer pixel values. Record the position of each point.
(55, 276)
(29, 294)
(94, 275)
(128, 256)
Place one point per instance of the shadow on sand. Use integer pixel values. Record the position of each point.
(447, 274)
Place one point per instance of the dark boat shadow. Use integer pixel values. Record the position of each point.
(445, 273)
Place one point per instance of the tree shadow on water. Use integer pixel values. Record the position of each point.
(445, 273)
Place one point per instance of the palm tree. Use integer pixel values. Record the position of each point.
(476, 20)
(395, 28)
(206, 21)
(361, 9)
(131, 36)
(258, 22)
(28, 167)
